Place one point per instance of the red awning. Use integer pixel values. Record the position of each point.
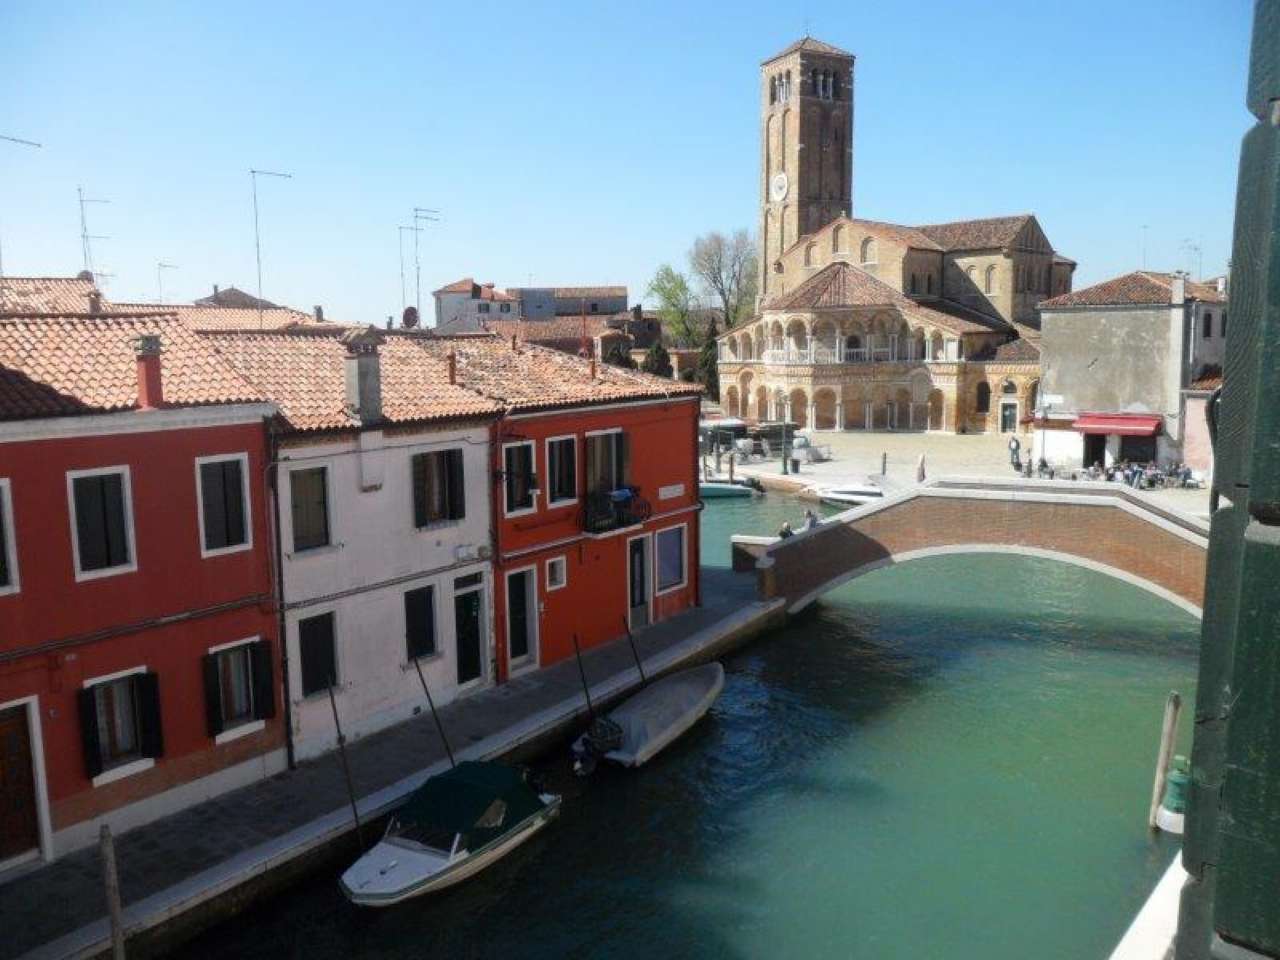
(1121, 424)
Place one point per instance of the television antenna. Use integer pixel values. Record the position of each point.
(257, 236)
(420, 215)
(404, 296)
(24, 143)
(161, 267)
(87, 238)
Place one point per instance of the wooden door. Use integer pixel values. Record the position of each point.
(19, 830)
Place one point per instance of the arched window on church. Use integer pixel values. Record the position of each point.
(968, 275)
(914, 285)
(982, 402)
(813, 82)
(786, 87)
(1009, 389)
(837, 239)
(989, 281)
(869, 250)
(835, 86)
(773, 89)
(808, 254)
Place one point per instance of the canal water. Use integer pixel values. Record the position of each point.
(950, 758)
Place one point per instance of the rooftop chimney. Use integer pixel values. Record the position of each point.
(364, 373)
(1178, 291)
(95, 302)
(150, 389)
(215, 289)
(319, 312)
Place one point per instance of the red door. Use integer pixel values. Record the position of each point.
(18, 827)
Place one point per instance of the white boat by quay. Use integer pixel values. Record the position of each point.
(650, 720)
(849, 494)
(450, 828)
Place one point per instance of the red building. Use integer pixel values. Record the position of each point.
(138, 654)
(595, 497)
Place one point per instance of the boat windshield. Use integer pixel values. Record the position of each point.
(409, 834)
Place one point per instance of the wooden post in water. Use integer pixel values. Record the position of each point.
(110, 878)
(1168, 733)
(884, 463)
(731, 466)
(346, 768)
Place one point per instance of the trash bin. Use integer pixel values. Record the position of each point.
(795, 464)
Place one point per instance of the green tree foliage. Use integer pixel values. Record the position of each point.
(708, 363)
(676, 306)
(617, 355)
(657, 360)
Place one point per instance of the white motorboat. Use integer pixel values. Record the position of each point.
(717, 489)
(650, 720)
(849, 494)
(449, 829)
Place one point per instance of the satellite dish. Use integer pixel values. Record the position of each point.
(409, 319)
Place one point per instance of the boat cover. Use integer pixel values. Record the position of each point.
(663, 710)
(479, 799)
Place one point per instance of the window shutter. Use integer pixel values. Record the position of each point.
(457, 493)
(88, 700)
(509, 478)
(419, 466)
(624, 458)
(113, 508)
(212, 694)
(233, 497)
(90, 532)
(264, 686)
(4, 549)
(212, 502)
(419, 622)
(146, 687)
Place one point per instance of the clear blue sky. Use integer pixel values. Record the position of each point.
(587, 143)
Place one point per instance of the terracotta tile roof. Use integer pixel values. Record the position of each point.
(489, 292)
(27, 295)
(477, 291)
(78, 364)
(534, 377)
(1139, 287)
(304, 373)
(234, 297)
(559, 329)
(1012, 351)
(981, 234)
(907, 236)
(810, 45)
(1207, 383)
(842, 284)
(201, 317)
(458, 286)
(963, 312)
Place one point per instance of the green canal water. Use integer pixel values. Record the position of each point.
(950, 758)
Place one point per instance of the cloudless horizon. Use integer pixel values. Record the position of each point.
(573, 144)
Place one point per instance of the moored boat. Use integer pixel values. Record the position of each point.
(717, 489)
(449, 829)
(849, 494)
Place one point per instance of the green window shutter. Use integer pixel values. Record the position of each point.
(212, 694)
(456, 485)
(623, 462)
(91, 534)
(233, 503)
(419, 471)
(113, 511)
(213, 503)
(88, 702)
(264, 686)
(419, 622)
(4, 549)
(316, 644)
(146, 688)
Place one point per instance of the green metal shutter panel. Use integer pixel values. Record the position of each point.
(419, 479)
(87, 700)
(147, 690)
(212, 694)
(264, 685)
(457, 494)
(419, 622)
(316, 644)
(90, 523)
(213, 502)
(233, 503)
(622, 463)
(113, 511)
(4, 550)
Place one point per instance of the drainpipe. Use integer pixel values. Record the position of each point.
(273, 465)
(495, 537)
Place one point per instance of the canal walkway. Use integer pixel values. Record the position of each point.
(190, 869)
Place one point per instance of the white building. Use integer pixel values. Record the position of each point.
(462, 306)
(383, 492)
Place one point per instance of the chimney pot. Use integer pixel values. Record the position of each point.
(146, 349)
(95, 302)
(453, 368)
(319, 314)
(215, 289)
(363, 369)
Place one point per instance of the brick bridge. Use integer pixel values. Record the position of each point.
(1102, 526)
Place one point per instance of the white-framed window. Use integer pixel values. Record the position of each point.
(482, 308)
(519, 482)
(120, 725)
(522, 616)
(608, 456)
(557, 573)
(562, 470)
(318, 653)
(222, 495)
(101, 506)
(672, 569)
(239, 693)
(309, 508)
(439, 487)
(8, 542)
(504, 308)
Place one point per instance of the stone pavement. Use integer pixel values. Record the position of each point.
(64, 898)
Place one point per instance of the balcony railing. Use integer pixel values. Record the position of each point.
(608, 510)
(818, 352)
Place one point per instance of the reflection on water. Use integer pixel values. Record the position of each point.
(946, 758)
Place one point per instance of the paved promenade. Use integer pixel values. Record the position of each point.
(183, 861)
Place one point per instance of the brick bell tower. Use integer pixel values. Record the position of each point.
(806, 146)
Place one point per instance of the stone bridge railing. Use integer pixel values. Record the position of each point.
(1103, 526)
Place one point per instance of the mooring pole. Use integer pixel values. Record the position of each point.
(432, 704)
(884, 463)
(110, 878)
(634, 652)
(346, 768)
(1168, 733)
(591, 710)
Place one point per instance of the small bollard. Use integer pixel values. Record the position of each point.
(111, 880)
(884, 463)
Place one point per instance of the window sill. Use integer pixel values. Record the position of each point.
(424, 658)
(242, 730)
(562, 503)
(224, 551)
(672, 589)
(124, 770)
(526, 511)
(439, 525)
(315, 551)
(8, 589)
(85, 575)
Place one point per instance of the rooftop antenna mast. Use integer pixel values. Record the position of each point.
(404, 296)
(161, 267)
(24, 143)
(87, 238)
(1194, 252)
(1144, 246)
(420, 215)
(257, 235)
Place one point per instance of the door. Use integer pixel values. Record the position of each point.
(469, 635)
(638, 582)
(19, 830)
(522, 625)
(1008, 417)
(1095, 449)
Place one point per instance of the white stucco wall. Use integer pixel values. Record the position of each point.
(460, 313)
(376, 555)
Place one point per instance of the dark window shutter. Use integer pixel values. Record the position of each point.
(264, 686)
(212, 694)
(457, 493)
(315, 642)
(151, 736)
(419, 622)
(624, 458)
(419, 462)
(90, 524)
(213, 502)
(309, 508)
(4, 549)
(233, 498)
(511, 465)
(88, 700)
(113, 509)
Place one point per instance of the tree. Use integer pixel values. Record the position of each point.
(657, 360)
(727, 266)
(676, 306)
(708, 363)
(618, 355)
